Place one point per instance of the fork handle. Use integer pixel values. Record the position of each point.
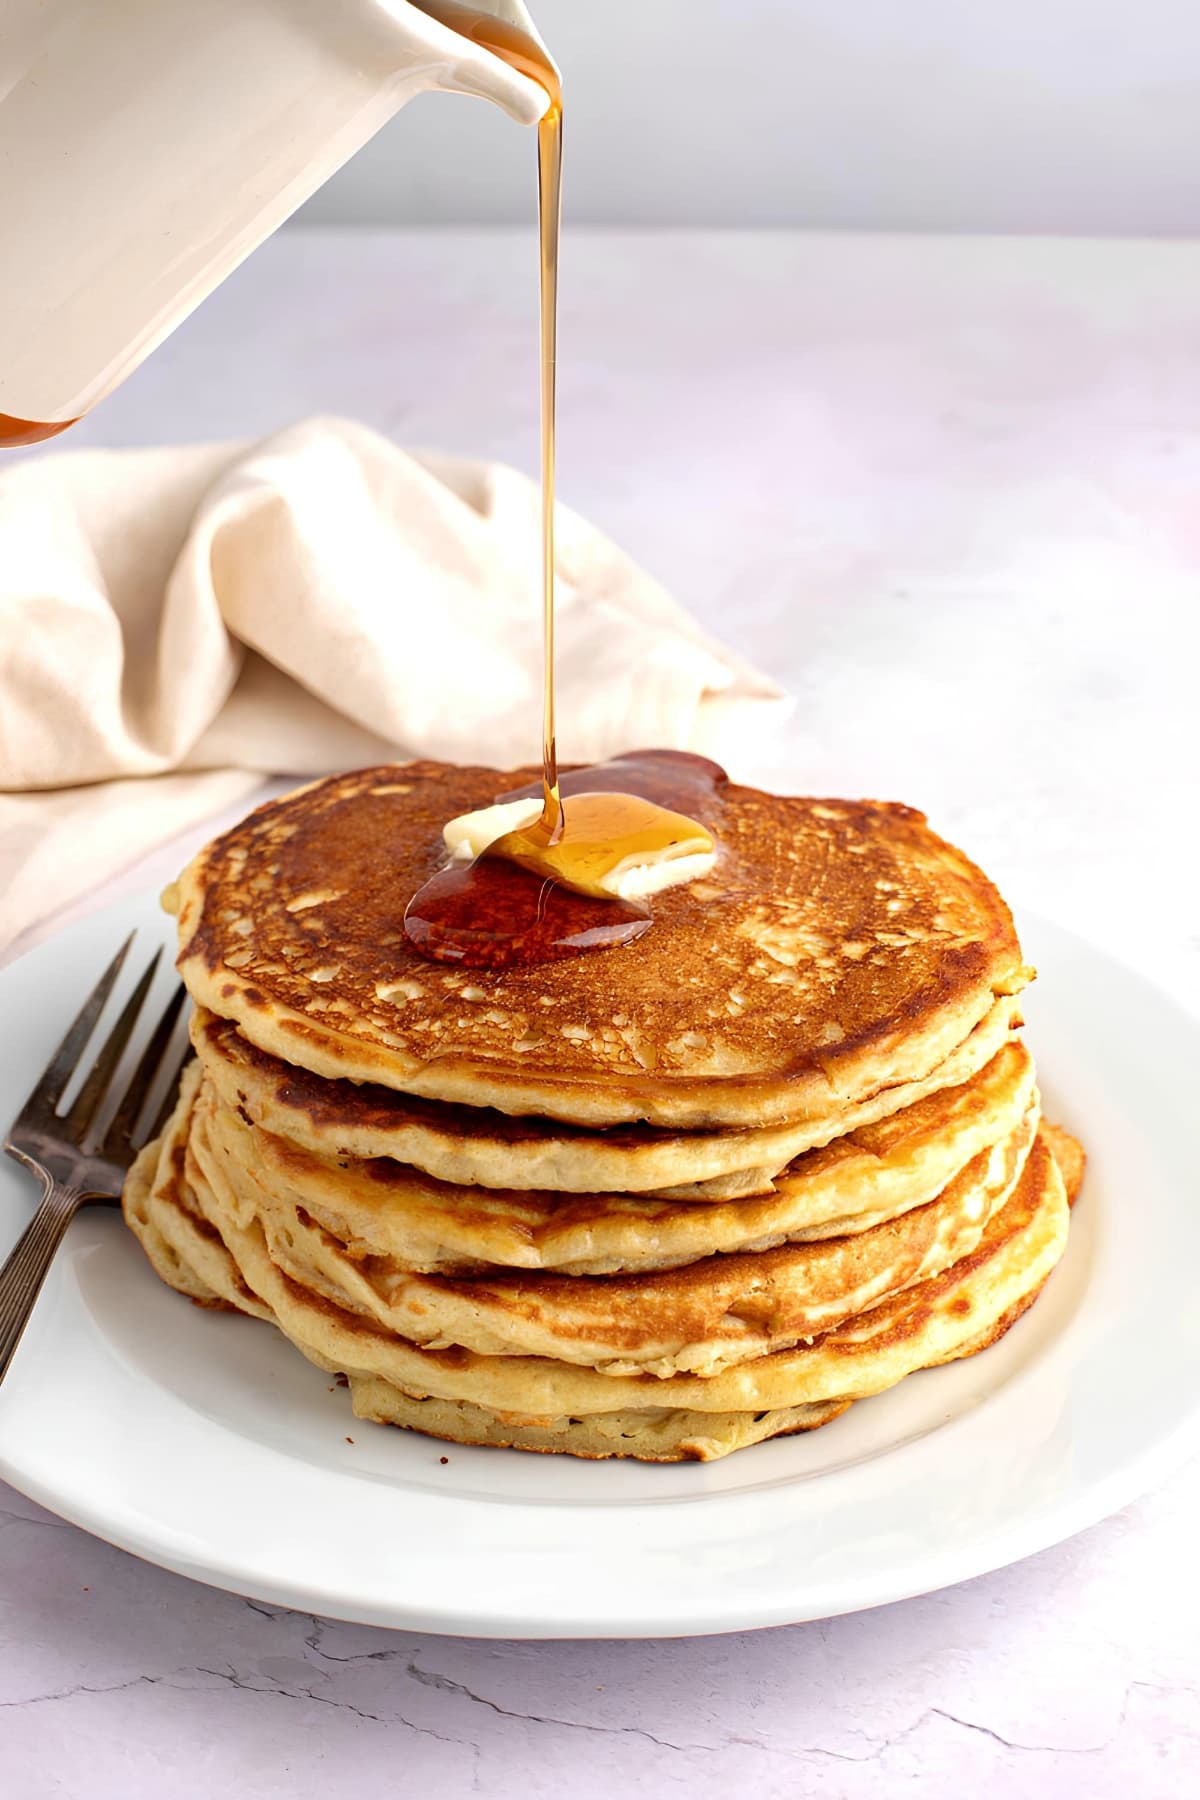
(23, 1274)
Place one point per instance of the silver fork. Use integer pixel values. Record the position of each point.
(73, 1162)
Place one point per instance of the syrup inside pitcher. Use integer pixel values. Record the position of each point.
(148, 146)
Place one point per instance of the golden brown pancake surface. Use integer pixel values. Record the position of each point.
(836, 947)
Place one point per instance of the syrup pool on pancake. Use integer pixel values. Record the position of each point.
(513, 894)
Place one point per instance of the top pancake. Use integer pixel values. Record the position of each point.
(837, 947)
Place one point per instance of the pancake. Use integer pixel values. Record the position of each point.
(648, 1435)
(183, 1249)
(665, 1201)
(701, 1317)
(663, 1436)
(145, 1218)
(923, 1324)
(162, 1211)
(837, 949)
(385, 1209)
(537, 1403)
(469, 1146)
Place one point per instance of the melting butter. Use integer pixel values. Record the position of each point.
(472, 833)
(610, 845)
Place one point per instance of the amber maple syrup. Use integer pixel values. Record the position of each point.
(495, 914)
(517, 903)
(28, 431)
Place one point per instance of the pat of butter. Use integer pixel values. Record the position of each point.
(471, 833)
(584, 857)
(637, 880)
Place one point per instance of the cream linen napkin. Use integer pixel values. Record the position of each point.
(174, 623)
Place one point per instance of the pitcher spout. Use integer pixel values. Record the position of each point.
(462, 62)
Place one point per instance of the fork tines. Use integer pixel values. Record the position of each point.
(78, 1126)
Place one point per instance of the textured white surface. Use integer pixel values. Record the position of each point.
(946, 491)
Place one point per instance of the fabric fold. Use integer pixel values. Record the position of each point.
(317, 599)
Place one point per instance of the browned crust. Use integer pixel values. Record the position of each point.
(891, 944)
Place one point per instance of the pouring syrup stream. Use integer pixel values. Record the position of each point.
(525, 54)
(549, 223)
(528, 898)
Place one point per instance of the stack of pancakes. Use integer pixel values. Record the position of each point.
(659, 1202)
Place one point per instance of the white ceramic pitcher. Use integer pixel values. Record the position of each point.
(147, 146)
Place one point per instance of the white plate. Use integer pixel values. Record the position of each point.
(204, 1442)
